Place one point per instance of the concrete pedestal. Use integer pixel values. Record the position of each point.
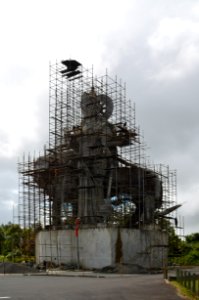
(134, 249)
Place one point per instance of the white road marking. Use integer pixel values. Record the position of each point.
(5, 297)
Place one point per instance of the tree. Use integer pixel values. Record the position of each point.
(16, 241)
(192, 238)
(2, 239)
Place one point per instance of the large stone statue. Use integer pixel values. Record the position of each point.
(88, 176)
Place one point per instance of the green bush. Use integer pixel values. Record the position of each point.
(187, 251)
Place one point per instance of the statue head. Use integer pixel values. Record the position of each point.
(93, 105)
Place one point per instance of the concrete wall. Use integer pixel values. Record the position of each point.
(101, 247)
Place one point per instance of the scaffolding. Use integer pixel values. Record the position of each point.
(94, 167)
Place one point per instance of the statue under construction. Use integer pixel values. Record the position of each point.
(94, 171)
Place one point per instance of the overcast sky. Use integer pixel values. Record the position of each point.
(153, 45)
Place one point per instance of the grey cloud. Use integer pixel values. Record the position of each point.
(167, 110)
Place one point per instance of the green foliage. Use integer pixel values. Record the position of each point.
(16, 242)
(184, 252)
(175, 244)
(192, 238)
(184, 292)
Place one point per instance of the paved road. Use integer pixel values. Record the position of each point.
(137, 287)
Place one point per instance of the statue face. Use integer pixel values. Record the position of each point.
(96, 106)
